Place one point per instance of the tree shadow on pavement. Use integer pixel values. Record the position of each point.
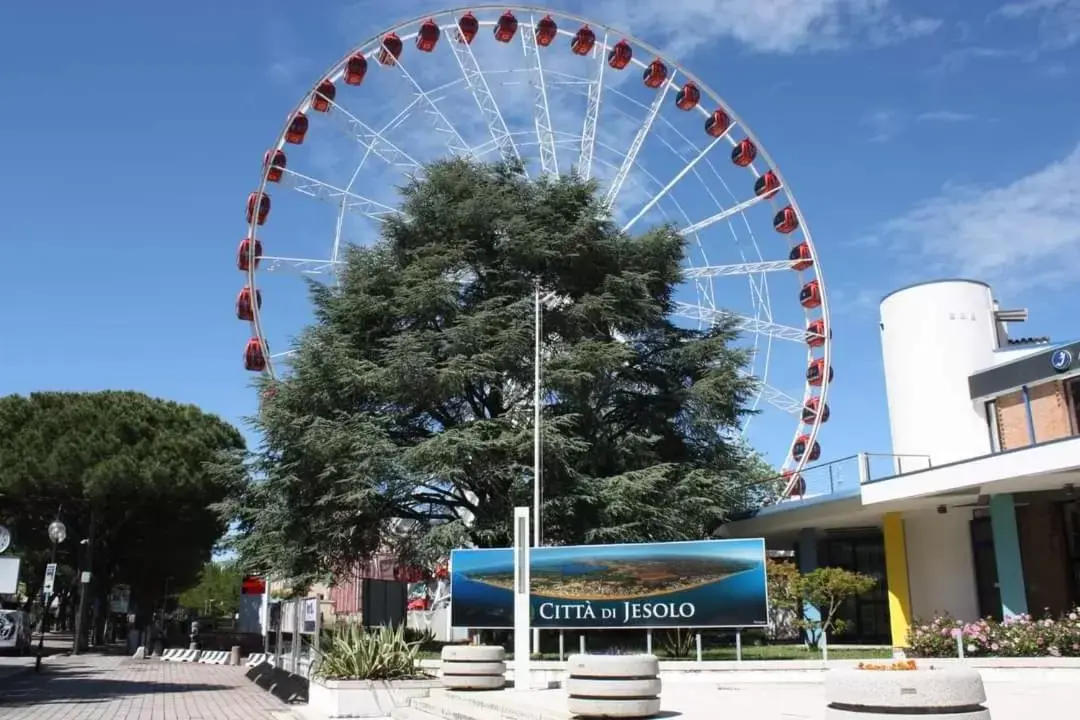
(80, 685)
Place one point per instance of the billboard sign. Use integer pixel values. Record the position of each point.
(696, 584)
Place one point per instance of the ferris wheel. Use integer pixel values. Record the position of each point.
(560, 93)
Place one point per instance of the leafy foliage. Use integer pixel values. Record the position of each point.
(827, 589)
(217, 592)
(1016, 636)
(784, 596)
(121, 466)
(409, 404)
(355, 653)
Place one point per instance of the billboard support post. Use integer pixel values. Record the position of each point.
(521, 599)
(648, 641)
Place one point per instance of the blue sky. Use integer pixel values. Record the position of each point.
(921, 139)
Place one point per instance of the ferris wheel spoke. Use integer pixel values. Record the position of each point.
(747, 268)
(351, 201)
(304, 266)
(635, 147)
(671, 184)
(374, 140)
(592, 113)
(481, 92)
(545, 135)
(780, 399)
(742, 322)
(723, 215)
(456, 144)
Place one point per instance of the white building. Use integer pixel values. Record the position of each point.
(974, 513)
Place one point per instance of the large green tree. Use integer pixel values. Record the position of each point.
(218, 592)
(122, 468)
(409, 400)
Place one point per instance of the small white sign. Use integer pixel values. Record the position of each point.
(5, 538)
(50, 578)
(85, 577)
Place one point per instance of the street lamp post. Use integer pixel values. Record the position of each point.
(57, 534)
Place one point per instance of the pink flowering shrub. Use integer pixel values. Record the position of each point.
(1018, 636)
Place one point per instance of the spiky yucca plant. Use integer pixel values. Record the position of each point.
(357, 653)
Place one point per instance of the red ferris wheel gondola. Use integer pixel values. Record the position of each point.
(620, 55)
(428, 36)
(546, 31)
(355, 69)
(799, 448)
(245, 309)
(258, 207)
(815, 333)
(655, 74)
(323, 97)
(800, 257)
(717, 124)
(583, 41)
(767, 185)
(274, 162)
(744, 152)
(298, 127)
(506, 27)
(810, 411)
(688, 97)
(786, 220)
(390, 50)
(468, 26)
(255, 355)
(248, 248)
(815, 372)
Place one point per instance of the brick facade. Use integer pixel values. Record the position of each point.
(1049, 412)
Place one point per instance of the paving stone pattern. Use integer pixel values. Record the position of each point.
(90, 687)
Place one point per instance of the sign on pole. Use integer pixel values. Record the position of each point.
(520, 594)
(696, 584)
(50, 579)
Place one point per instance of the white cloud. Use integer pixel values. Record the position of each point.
(944, 116)
(1059, 20)
(886, 124)
(1023, 233)
(777, 26)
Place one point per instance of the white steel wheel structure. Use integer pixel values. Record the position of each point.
(560, 93)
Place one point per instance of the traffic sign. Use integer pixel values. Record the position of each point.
(5, 538)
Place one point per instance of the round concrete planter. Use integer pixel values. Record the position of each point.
(613, 686)
(473, 667)
(954, 693)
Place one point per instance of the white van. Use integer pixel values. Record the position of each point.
(15, 633)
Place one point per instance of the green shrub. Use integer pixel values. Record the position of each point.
(356, 653)
(1017, 636)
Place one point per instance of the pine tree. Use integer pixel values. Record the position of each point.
(408, 405)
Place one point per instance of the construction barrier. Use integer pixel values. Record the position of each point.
(214, 657)
(177, 655)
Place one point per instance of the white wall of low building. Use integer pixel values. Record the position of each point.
(933, 336)
(941, 571)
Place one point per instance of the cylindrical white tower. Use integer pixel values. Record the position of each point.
(933, 337)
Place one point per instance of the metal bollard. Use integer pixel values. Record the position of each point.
(234, 655)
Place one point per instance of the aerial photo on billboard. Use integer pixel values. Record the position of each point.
(697, 584)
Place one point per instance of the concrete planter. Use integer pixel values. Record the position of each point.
(473, 667)
(613, 686)
(952, 694)
(365, 698)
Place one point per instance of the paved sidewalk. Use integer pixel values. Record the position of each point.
(103, 687)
